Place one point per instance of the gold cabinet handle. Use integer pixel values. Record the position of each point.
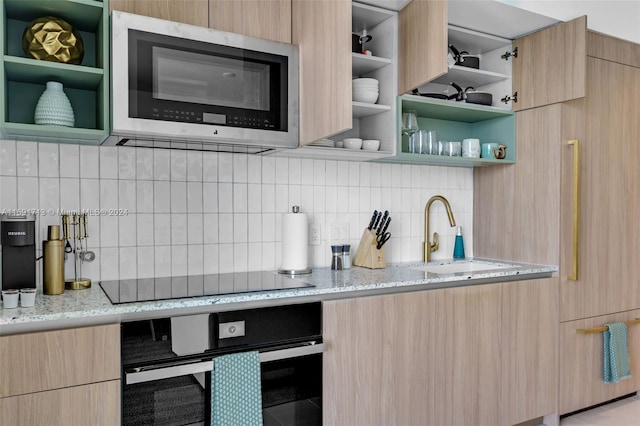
(576, 206)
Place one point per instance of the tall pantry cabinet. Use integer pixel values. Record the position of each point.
(572, 199)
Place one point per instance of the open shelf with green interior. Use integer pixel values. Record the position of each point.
(455, 121)
(24, 78)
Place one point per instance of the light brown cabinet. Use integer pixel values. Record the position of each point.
(422, 43)
(194, 12)
(551, 65)
(322, 31)
(94, 404)
(529, 350)
(257, 18)
(269, 20)
(437, 357)
(581, 363)
(69, 376)
(536, 204)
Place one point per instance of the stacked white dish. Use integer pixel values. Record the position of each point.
(365, 90)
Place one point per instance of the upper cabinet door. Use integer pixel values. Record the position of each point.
(422, 43)
(194, 12)
(551, 65)
(322, 31)
(270, 19)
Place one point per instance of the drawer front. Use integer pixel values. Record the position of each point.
(48, 360)
(581, 360)
(95, 404)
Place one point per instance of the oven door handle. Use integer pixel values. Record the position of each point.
(152, 373)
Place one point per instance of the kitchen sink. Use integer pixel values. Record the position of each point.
(457, 267)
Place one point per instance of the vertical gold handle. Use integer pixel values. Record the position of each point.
(576, 206)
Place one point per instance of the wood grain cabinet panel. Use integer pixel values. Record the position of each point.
(48, 360)
(613, 49)
(532, 212)
(94, 404)
(607, 125)
(471, 347)
(581, 375)
(322, 31)
(383, 366)
(422, 43)
(194, 12)
(412, 358)
(551, 65)
(529, 347)
(270, 19)
(523, 199)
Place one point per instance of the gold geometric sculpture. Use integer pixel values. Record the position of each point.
(52, 39)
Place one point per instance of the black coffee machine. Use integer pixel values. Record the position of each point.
(18, 251)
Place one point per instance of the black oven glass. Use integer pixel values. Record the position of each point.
(175, 79)
(291, 395)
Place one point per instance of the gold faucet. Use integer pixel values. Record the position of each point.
(428, 247)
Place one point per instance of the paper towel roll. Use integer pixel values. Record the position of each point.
(295, 243)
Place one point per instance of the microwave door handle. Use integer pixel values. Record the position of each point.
(149, 374)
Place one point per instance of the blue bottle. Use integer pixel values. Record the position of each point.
(458, 248)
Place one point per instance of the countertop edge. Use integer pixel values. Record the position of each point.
(120, 313)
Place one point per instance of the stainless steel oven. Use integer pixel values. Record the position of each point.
(177, 82)
(167, 363)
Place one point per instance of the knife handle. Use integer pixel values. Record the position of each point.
(375, 223)
(382, 221)
(373, 219)
(386, 225)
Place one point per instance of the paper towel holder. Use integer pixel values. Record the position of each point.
(295, 209)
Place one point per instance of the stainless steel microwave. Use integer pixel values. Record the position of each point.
(182, 86)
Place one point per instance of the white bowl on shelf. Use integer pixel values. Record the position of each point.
(371, 144)
(366, 96)
(352, 143)
(365, 81)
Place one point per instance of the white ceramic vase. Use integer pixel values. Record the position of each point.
(53, 107)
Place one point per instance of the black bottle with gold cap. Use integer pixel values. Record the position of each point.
(53, 262)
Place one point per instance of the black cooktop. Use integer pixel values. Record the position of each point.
(148, 289)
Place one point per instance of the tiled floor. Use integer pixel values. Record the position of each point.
(625, 412)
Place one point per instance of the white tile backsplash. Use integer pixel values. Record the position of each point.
(127, 164)
(27, 158)
(202, 212)
(7, 158)
(89, 162)
(69, 161)
(48, 160)
(9, 192)
(108, 163)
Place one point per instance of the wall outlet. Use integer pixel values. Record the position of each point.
(339, 233)
(314, 234)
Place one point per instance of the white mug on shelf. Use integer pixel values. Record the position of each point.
(471, 148)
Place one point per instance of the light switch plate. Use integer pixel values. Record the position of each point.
(314, 234)
(339, 233)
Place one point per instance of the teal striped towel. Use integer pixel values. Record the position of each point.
(616, 353)
(236, 397)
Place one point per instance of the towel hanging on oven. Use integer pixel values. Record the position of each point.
(236, 396)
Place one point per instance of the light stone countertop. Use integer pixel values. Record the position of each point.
(91, 306)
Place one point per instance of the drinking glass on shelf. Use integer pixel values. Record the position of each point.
(409, 127)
